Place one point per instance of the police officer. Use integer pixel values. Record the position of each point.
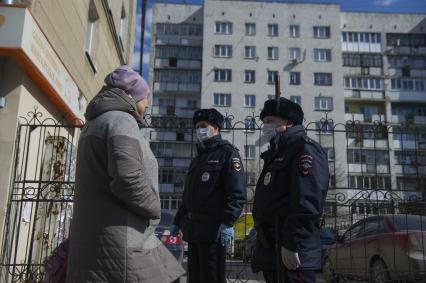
(289, 198)
(213, 198)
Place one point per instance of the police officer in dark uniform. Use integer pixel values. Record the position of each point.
(213, 198)
(289, 198)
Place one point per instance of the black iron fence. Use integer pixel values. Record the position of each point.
(373, 227)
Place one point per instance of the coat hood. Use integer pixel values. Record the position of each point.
(112, 99)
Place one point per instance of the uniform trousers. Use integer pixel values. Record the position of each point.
(206, 262)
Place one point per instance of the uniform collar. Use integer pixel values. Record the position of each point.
(205, 146)
(283, 141)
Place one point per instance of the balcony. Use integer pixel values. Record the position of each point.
(368, 143)
(368, 168)
(401, 119)
(364, 94)
(407, 96)
(404, 144)
(410, 170)
(180, 64)
(364, 118)
(354, 117)
(420, 120)
(172, 111)
(176, 87)
(178, 40)
(171, 136)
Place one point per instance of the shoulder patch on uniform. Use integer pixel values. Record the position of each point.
(306, 164)
(236, 164)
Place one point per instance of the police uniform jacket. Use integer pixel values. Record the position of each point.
(292, 186)
(214, 191)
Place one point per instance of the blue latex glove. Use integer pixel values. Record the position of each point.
(174, 230)
(225, 235)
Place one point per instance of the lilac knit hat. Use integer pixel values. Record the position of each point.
(128, 80)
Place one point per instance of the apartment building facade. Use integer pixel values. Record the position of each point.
(175, 80)
(365, 68)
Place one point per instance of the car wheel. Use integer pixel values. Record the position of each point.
(328, 271)
(379, 272)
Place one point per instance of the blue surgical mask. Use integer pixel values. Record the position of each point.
(204, 134)
(269, 131)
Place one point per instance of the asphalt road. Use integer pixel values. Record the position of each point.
(239, 272)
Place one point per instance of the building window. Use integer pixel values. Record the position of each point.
(272, 30)
(295, 78)
(222, 99)
(294, 54)
(271, 76)
(181, 52)
(251, 179)
(414, 62)
(374, 157)
(324, 79)
(250, 100)
(92, 36)
(294, 31)
(323, 103)
(249, 151)
(223, 75)
(362, 60)
(363, 83)
(406, 39)
(321, 32)
(416, 85)
(249, 76)
(250, 29)
(322, 55)
(324, 128)
(223, 51)
(370, 183)
(250, 124)
(223, 28)
(273, 53)
(227, 125)
(296, 99)
(179, 29)
(192, 104)
(177, 76)
(123, 28)
(362, 37)
(250, 52)
(330, 153)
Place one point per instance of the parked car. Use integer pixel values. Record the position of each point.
(381, 248)
(328, 239)
(174, 244)
(248, 245)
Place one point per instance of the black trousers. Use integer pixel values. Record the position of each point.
(291, 276)
(206, 263)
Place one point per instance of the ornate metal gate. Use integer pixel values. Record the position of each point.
(40, 198)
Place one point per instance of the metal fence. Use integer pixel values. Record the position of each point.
(377, 191)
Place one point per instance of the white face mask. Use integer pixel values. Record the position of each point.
(203, 134)
(269, 131)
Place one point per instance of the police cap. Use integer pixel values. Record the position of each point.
(209, 115)
(283, 108)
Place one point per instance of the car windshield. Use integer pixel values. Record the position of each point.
(167, 219)
(409, 222)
